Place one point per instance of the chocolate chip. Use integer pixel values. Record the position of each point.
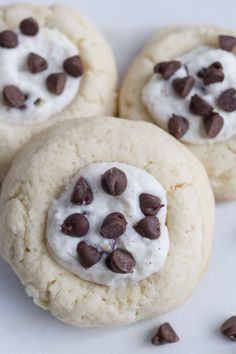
(88, 255)
(167, 68)
(14, 97)
(29, 26)
(213, 123)
(120, 261)
(227, 42)
(73, 66)
(36, 63)
(228, 328)
(148, 227)
(214, 73)
(201, 73)
(82, 193)
(183, 86)
(227, 100)
(114, 181)
(56, 83)
(165, 335)
(199, 106)
(8, 39)
(113, 226)
(75, 225)
(178, 126)
(149, 204)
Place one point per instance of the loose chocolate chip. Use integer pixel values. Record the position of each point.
(227, 100)
(29, 26)
(73, 66)
(227, 42)
(178, 126)
(213, 74)
(183, 86)
(213, 123)
(113, 226)
(167, 68)
(56, 83)
(148, 227)
(75, 225)
(120, 261)
(8, 39)
(199, 106)
(165, 335)
(88, 255)
(114, 181)
(149, 204)
(82, 193)
(36, 63)
(228, 328)
(14, 97)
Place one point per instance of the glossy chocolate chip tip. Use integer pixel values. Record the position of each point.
(149, 204)
(82, 193)
(120, 261)
(76, 225)
(228, 328)
(114, 181)
(88, 255)
(165, 335)
(113, 226)
(148, 227)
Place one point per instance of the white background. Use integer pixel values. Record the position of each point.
(26, 329)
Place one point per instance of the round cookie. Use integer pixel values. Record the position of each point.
(144, 98)
(36, 44)
(35, 187)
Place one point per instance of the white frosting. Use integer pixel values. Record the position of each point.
(53, 46)
(149, 254)
(161, 100)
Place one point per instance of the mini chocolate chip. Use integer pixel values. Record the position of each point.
(8, 39)
(82, 193)
(227, 100)
(227, 42)
(167, 68)
(73, 66)
(113, 226)
(178, 126)
(228, 328)
(120, 261)
(183, 86)
(75, 225)
(114, 181)
(36, 63)
(88, 255)
(149, 204)
(29, 26)
(14, 97)
(213, 123)
(56, 83)
(199, 106)
(148, 227)
(165, 335)
(214, 73)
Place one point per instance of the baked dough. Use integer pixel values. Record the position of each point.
(218, 158)
(40, 173)
(97, 92)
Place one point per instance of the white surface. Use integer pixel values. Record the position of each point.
(162, 101)
(149, 255)
(14, 71)
(26, 329)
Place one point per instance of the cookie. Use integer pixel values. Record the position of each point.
(184, 81)
(86, 208)
(54, 66)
